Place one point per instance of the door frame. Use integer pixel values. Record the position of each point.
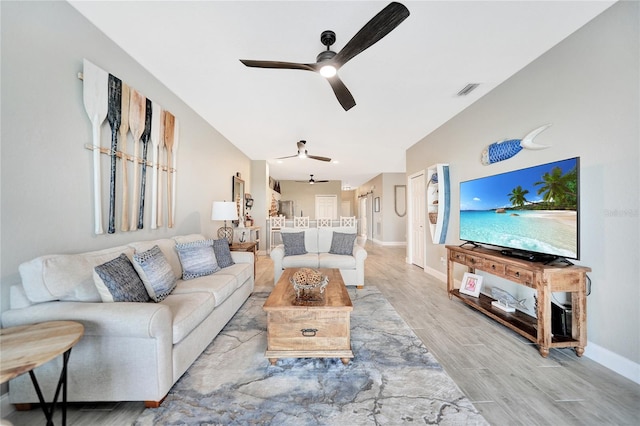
(410, 203)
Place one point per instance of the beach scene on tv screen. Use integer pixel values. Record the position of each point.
(533, 209)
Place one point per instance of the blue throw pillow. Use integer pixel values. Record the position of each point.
(293, 243)
(197, 259)
(156, 273)
(342, 243)
(117, 281)
(223, 254)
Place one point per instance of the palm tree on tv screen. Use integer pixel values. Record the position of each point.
(558, 189)
(517, 196)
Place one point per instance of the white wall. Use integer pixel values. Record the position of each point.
(46, 174)
(588, 88)
(303, 195)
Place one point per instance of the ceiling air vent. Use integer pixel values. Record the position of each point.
(468, 89)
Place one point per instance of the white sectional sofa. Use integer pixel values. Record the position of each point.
(317, 243)
(130, 351)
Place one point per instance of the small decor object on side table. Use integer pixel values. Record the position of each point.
(471, 284)
(309, 285)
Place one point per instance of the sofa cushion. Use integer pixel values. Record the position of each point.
(197, 259)
(342, 243)
(328, 260)
(156, 273)
(168, 248)
(218, 285)
(241, 271)
(67, 277)
(223, 254)
(325, 237)
(189, 311)
(117, 281)
(310, 237)
(293, 243)
(309, 260)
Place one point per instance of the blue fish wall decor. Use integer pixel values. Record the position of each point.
(503, 150)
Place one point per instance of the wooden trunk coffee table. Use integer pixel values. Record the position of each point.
(318, 331)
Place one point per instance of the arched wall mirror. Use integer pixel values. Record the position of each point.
(238, 196)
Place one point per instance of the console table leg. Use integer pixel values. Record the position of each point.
(579, 350)
(544, 352)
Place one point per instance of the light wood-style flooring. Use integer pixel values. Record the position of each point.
(499, 371)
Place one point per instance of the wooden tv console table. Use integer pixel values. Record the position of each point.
(545, 279)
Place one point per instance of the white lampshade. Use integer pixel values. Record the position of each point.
(224, 210)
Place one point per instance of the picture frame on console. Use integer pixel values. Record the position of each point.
(471, 284)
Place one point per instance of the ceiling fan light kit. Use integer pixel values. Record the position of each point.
(329, 62)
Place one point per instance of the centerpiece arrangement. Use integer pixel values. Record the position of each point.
(309, 285)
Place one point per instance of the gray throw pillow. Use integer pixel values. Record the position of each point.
(223, 254)
(293, 243)
(117, 281)
(197, 259)
(342, 243)
(156, 273)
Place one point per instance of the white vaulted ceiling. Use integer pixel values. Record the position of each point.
(405, 85)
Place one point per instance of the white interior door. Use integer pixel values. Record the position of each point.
(326, 206)
(417, 219)
(362, 220)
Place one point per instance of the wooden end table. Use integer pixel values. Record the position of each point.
(251, 247)
(317, 331)
(29, 346)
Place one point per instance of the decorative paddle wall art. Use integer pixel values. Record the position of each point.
(129, 112)
(503, 150)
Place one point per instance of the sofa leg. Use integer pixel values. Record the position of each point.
(26, 406)
(153, 404)
(360, 287)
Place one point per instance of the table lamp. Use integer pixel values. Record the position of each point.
(224, 210)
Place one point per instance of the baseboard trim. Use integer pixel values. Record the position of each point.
(614, 362)
(442, 276)
(5, 406)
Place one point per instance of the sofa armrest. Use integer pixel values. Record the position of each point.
(277, 254)
(360, 253)
(119, 319)
(243, 257)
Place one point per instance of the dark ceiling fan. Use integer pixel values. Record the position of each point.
(312, 181)
(328, 62)
(302, 153)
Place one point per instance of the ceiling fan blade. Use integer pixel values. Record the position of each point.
(342, 93)
(372, 32)
(288, 156)
(321, 181)
(278, 64)
(315, 157)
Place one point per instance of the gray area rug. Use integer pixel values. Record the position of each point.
(392, 380)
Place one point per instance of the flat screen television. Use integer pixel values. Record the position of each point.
(532, 213)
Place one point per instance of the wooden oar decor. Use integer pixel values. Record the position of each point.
(162, 165)
(124, 130)
(169, 128)
(113, 116)
(95, 94)
(174, 164)
(105, 96)
(137, 114)
(145, 144)
(156, 134)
